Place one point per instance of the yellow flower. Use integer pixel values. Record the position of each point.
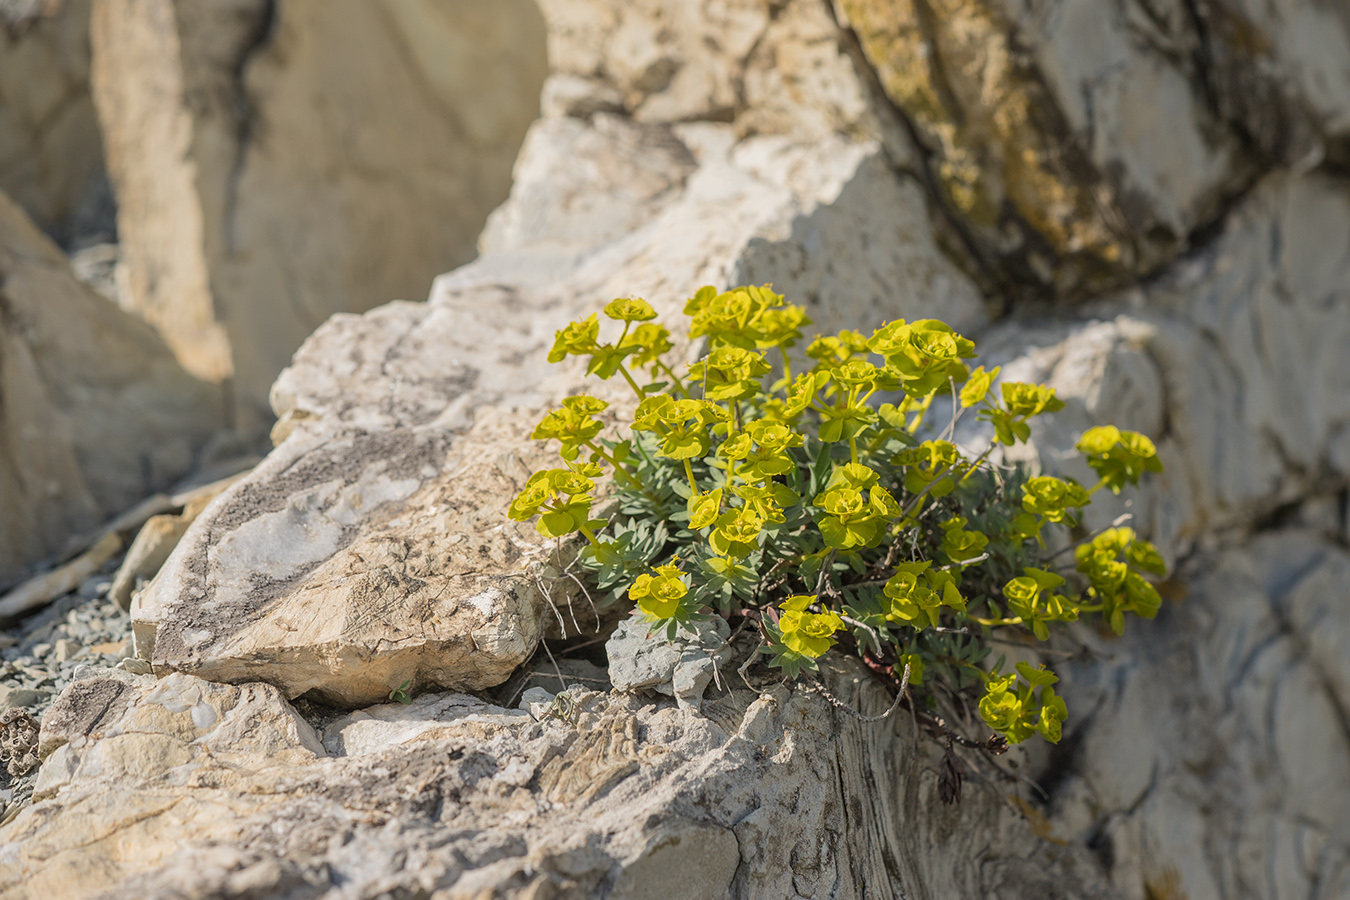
(704, 508)
(978, 385)
(630, 309)
(659, 595)
(809, 634)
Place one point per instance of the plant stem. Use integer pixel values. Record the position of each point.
(590, 536)
(904, 513)
(918, 417)
(689, 473)
(993, 623)
(619, 471)
(675, 378)
(976, 465)
(631, 383)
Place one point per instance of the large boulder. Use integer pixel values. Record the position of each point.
(95, 413)
(51, 156)
(276, 163)
(684, 143)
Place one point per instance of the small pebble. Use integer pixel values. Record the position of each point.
(135, 666)
(64, 650)
(43, 654)
(12, 697)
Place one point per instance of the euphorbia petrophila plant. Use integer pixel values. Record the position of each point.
(830, 520)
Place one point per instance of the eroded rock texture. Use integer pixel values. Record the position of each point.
(1206, 760)
(1083, 144)
(1234, 362)
(279, 162)
(770, 796)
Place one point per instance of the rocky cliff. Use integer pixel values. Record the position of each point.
(1144, 204)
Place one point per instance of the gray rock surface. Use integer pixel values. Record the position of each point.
(1078, 144)
(681, 668)
(95, 413)
(770, 796)
(1207, 760)
(155, 541)
(1234, 363)
(277, 163)
(1212, 758)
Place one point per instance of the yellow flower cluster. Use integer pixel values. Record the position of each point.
(760, 481)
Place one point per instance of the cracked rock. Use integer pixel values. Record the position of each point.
(681, 668)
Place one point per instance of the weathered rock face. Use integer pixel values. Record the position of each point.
(766, 797)
(277, 163)
(1207, 759)
(1079, 144)
(51, 157)
(1212, 756)
(1233, 362)
(405, 431)
(94, 411)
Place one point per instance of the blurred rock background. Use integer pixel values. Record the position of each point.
(271, 164)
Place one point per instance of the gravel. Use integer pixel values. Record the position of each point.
(42, 653)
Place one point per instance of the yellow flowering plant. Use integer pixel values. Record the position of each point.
(827, 507)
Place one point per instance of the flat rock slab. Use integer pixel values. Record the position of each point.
(349, 572)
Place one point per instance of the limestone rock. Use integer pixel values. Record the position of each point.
(372, 546)
(51, 155)
(1214, 752)
(1208, 753)
(1233, 364)
(95, 413)
(682, 668)
(1081, 144)
(768, 796)
(769, 68)
(172, 729)
(345, 566)
(15, 697)
(430, 717)
(277, 163)
(154, 542)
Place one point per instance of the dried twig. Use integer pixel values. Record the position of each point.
(834, 701)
